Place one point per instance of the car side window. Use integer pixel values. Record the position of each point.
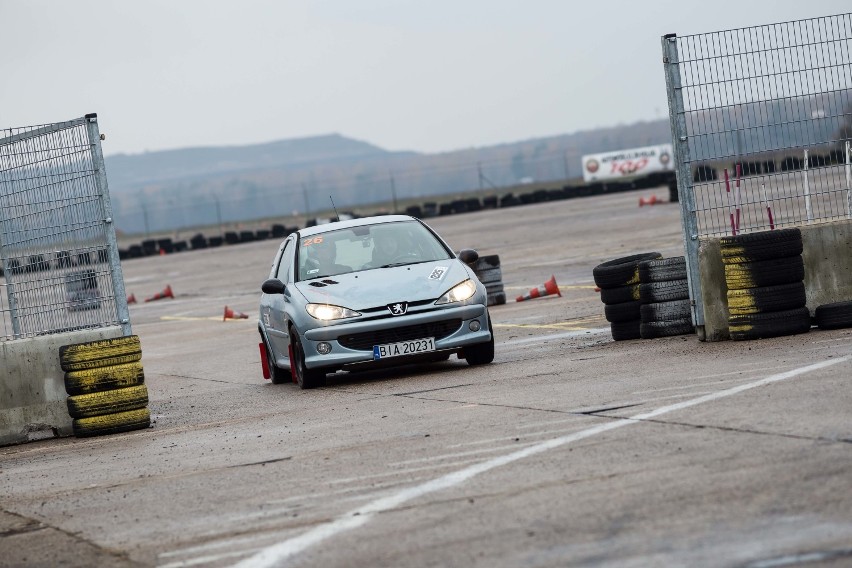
(286, 262)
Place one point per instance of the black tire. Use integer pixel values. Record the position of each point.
(107, 402)
(764, 245)
(481, 353)
(773, 272)
(654, 292)
(626, 311)
(497, 299)
(769, 324)
(666, 311)
(620, 294)
(490, 275)
(654, 329)
(834, 316)
(621, 271)
(277, 375)
(112, 423)
(493, 288)
(104, 378)
(662, 269)
(766, 299)
(486, 262)
(101, 353)
(622, 331)
(305, 378)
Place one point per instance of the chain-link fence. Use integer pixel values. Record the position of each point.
(761, 123)
(58, 254)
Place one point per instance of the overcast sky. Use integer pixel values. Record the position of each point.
(429, 76)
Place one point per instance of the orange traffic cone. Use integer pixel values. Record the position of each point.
(166, 293)
(231, 314)
(131, 299)
(549, 287)
(647, 200)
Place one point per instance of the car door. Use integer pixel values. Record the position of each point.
(276, 306)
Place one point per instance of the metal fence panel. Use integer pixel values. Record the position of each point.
(761, 122)
(58, 253)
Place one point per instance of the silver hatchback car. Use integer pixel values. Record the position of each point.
(371, 292)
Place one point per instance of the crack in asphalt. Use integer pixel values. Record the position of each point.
(744, 431)
(206, 379)
(264, 462)
(432, 390)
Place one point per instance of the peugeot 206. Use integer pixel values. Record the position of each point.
(371, 292)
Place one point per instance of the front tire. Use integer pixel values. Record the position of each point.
(277, 375)
(305, 378)
(481, 353)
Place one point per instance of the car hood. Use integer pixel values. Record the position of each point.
(381, 286)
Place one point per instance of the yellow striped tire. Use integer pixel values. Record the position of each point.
(112, 423)
(764, 245)
(769, 324)
(101, 353)
(104, 378)
(773, 272)
(107, 402)
(766, 299)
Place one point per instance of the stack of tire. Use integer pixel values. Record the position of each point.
(618, 280)
(487, 269)
(764, 273)
(664, 293)
(105, 383)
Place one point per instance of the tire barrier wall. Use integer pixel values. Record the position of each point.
(826, 265)
(487, 269)
(664, 292)
(32, 386)
(105, 383)
(619, 282)
(149, 247)
(764, 275)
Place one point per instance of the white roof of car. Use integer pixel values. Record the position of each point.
(319, 229)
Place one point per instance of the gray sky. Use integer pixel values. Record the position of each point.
(428, 76)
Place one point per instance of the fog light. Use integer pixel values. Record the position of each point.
(323, 348)
(474, 325)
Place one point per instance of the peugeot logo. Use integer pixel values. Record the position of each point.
(398, 309)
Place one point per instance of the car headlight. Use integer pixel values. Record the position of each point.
(458, 293)
(327, 312)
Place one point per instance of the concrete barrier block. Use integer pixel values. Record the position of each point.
(32, 385)
(828, 263)
(714, 291)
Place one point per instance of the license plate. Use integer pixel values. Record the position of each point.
(403, 348)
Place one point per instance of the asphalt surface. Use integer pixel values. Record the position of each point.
(569, 450)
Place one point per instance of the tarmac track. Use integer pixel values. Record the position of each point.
(569, 450)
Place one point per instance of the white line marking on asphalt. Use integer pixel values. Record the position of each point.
(278, 553)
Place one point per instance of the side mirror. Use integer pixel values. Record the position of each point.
(272, 286)
(468, 256)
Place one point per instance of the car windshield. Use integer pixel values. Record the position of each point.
(367, 247)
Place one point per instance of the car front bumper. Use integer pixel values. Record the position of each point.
(341, 357)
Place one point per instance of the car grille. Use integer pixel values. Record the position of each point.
(366, 340)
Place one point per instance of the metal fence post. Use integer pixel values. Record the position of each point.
(122, 310)
(680, 142)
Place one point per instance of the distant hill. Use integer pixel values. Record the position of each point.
(201, 186)
(127, 172)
